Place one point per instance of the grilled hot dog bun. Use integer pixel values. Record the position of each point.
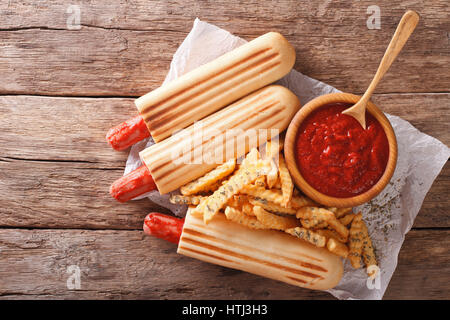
(216, 84)
(268, 253)
(269, 108)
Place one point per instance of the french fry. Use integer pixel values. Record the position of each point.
(209, 179)
(315, 215)
(277, 184)
(368, 253)
(307, 235)
(330, 234)
(356, 241)
(238, 200)
(272, 175)
(287, 186)
(313, 223)
(197, 214)
(213, 187)
(269, 150)
(347, 219)
(251, 158)
(337, 247)
(319, 215)
(241, 218)
(247, 201)
(271, 206)
(241, 202)
(321, 225)
(340, 212)
(263, 194)
(274, 221)
(339, 227)
(235, 203)
(301, 201)
(188, 200)
(332, 209)
(246, 174)
(247, 208)
(261, 182)
(273, 148)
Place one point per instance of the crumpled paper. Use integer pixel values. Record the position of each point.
(389, 216)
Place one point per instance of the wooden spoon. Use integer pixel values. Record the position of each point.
(404, 29)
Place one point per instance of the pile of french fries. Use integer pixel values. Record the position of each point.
(260, 194)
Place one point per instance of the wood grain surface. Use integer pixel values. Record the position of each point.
(61, 90)
(124, 47)
(127, 265)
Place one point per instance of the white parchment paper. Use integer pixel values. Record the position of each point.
(389, 216)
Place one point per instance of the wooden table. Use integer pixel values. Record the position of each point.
(62, 89)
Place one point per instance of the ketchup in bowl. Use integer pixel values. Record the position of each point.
(336, 156)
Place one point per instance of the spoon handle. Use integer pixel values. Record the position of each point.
(404, 29)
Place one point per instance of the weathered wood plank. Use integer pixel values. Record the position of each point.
(124, 48)
(429, 113)
(75, 195)
(423, 265)
(46, 193)
(65, 195)
(44, 128)
(49, 128)
(435, 208)
(89, 62)
(119, 264)
(128, 265)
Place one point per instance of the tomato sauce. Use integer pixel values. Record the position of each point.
(336, 156)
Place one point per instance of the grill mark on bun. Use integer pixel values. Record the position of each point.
(155, 110)
(163, 165)
(249, 258)
(163, 114)
(205, 254)
(274, 255)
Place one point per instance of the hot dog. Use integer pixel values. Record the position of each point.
(163, 226)
(132, 185)
(127, 133)
(269, 108)
(268, 253)
(206, 89)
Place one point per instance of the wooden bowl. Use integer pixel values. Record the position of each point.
(300, 182)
